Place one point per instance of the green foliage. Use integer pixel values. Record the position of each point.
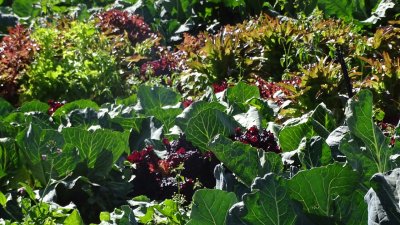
(367, 149)
(74, 61)
(365, 12)
(78, 154)
(123, 216)
(211, 207)
(269, 202)
(381, 198)
(241, 159)
(318, 122)
(193, 15)
(203, 122)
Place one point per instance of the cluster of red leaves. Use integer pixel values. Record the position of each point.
(186, 103)
(257, 138)
(190, 46)
(116, 22)
(389, 131)
(54, 105)
(162, 66)
(191, 43)
(16, 53)
(277, 91)
(219, 87)
(156, 177)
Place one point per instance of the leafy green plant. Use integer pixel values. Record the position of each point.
(384, 82)
(74, 61)
(364, 12)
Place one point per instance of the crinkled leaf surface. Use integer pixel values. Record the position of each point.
(210, 207)
(268, 203)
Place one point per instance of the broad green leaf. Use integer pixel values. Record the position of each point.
(34, 106)
(126, 124)
(265, 111)
(334, 140)
(195, 109)
(271, 162)
(382, 198)
(3, 200)
(340, 8)
(361, 125)
(157, 97)
(358, 157)
(319, 189)
(319, 122)
(74, 219)
(5, 107)
(202, 128)
(249, 118)
(165, 116)
(243, 160)
(131, 100)
(210, 207)
(43, 150)
(150, 129)
(92, 144)
(242, 92)
(9, 158)
(268, 203)
(23, 8)
(170, 209)
(315, 153)
(83, 118)
(35, 142)
(357, 202)
(79, 104)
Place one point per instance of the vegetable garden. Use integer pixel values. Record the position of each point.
(200, 112)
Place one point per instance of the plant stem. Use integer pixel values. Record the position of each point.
(340, 58)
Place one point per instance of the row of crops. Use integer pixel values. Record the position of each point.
(199, 112)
